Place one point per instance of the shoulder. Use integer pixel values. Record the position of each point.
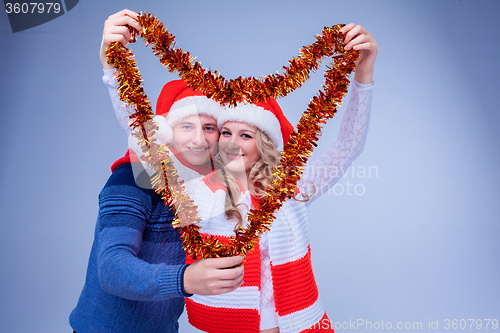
(124, 175)
(124, 203)
(130, 179)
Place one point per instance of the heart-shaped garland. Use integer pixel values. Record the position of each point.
(229, 92)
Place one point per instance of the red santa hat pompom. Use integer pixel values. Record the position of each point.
(266, 116)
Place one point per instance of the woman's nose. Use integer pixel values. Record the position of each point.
(233, 144)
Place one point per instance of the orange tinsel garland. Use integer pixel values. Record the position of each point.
(229, 92)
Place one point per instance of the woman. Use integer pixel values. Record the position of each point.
(279, 293)
(137, 277)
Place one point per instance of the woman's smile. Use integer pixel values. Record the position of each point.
(234, 155)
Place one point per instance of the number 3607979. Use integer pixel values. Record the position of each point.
(33, 8)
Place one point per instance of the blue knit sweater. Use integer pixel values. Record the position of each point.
(135, 272)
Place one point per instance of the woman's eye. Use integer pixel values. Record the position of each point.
(246, 136)
(226, 133)
(187, 127)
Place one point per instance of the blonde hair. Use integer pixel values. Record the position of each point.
(259, 177)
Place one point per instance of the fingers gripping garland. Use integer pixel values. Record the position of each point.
(229, 92)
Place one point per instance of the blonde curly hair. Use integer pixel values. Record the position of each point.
(260, 176)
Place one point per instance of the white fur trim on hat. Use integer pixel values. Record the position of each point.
(257, 116)
(164, 132)
(192, 105)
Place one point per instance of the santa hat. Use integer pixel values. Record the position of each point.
(266, 116)
(176, 102)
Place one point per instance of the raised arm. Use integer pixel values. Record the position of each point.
(115, 30)
(122, 111)
(330, 166)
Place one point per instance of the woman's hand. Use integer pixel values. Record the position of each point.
(368, 47)
(214, 276)
(115, 29)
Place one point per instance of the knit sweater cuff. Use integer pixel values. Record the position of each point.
(173, 277)
(181, 278)
(362, 86)
(109, 72)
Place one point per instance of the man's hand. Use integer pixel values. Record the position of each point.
(214, 276)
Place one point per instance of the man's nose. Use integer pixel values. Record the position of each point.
(199, 137)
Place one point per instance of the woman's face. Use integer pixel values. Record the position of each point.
(238, 146)
(195, 137)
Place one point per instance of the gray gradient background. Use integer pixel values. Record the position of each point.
(422, 242)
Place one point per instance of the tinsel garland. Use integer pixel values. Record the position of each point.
(229, 92)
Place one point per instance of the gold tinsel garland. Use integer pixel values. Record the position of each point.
(229, 92)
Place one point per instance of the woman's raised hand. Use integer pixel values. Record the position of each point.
(368, 47)
(115, 29)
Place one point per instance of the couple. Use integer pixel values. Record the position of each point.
(138, 276)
